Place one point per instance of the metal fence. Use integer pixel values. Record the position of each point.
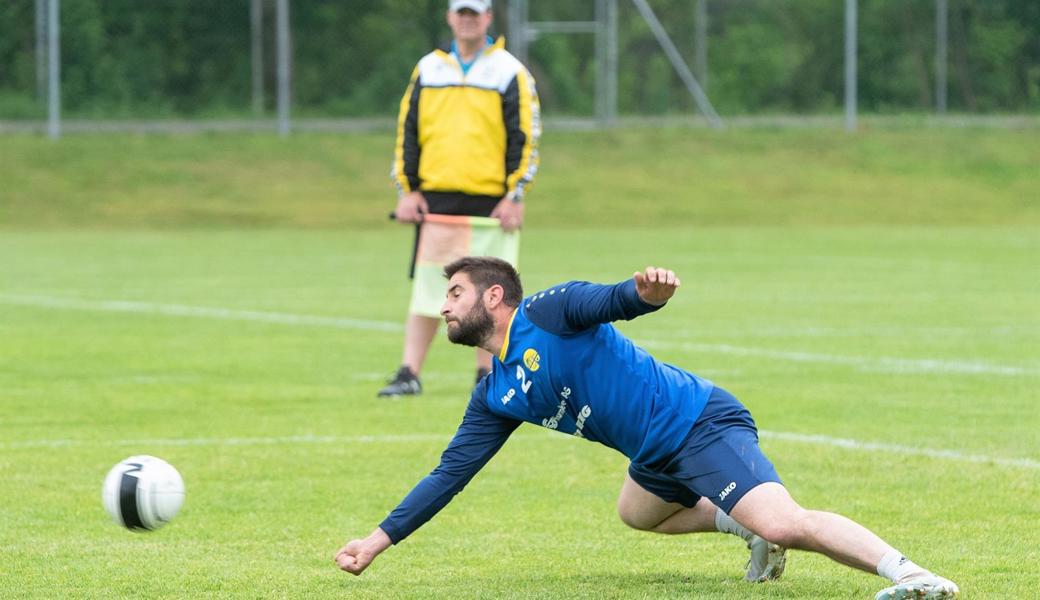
(288, 64)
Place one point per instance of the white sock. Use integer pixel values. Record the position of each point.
(898, 568)
(726, 524)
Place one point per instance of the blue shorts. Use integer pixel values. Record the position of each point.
(720, 459)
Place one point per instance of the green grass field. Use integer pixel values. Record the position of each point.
(874, 300)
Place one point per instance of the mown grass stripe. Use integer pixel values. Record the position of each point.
(181, 310)
(882, 364)
(818, 440)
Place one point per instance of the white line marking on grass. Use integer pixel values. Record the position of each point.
(879, 364)
(181, 310)
(249, 441)
(823, 440)
(878, 331)
(818, 440)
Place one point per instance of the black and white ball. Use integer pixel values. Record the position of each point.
(143, 493)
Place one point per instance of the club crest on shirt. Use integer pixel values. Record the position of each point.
(531, 359)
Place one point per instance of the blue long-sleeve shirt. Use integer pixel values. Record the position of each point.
(564, 367)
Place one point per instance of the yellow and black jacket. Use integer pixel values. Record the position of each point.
(474, 134)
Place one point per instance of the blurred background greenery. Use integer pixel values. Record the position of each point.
(352, 58)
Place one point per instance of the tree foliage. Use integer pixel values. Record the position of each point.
(123, 58)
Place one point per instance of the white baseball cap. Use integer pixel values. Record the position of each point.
(480, 6)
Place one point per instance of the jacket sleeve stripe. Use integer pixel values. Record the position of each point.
(405, 172)
(516, 139)
(529, 131)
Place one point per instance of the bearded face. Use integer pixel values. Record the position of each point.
(472, 328)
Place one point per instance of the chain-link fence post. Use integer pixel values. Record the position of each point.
(284, 66)
(700, 43)
(256, 35)
(850, 65)
(941, 38)
(54, 69)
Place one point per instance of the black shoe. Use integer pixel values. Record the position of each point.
(482, 373)
(404, 383)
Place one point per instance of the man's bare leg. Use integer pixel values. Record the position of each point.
(419, 332)
(770, 512)
(641, 509)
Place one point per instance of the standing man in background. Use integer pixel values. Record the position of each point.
(467, 150)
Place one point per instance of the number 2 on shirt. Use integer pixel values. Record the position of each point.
(522, 376)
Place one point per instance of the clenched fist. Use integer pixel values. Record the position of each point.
(355, 557)
(655, 285)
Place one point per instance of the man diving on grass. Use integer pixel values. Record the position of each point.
(696, 465)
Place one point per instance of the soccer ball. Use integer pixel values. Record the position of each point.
(142, 493)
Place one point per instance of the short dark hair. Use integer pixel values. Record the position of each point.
(486, 271)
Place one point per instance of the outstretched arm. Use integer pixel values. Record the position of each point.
(478, 438)
(576, 306)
